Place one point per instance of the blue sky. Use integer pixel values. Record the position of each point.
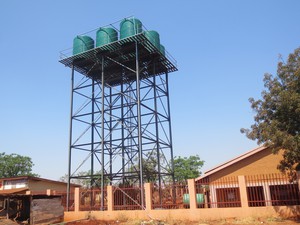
(223, 49)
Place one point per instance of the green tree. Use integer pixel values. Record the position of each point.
(84, 179)
(277, 119)
(187, 168)
(14, 165)
(150, 170)
(184, 168)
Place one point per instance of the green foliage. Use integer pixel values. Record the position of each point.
(150, 168)
(184, 168)
(84, 178)
(187, 168)
(277, 119)
(14, 165)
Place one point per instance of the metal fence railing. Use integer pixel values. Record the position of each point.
(63, 195)
(90, 199)
(272, 190)
(220, 193)
(127, 197)
(262, 190)
(171, 196)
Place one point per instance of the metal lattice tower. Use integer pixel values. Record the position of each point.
(120, 113)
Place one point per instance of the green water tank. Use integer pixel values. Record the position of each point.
(162, 49)
(153, 37)
(130, 27)
(106, 35)
(199, 198)
(82, 44)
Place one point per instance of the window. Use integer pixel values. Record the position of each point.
(287, 194)
(228, 197)
(12, 184)
(256, 196)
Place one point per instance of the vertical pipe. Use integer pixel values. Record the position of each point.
(102, 136)
(70, 139)
(139, 122)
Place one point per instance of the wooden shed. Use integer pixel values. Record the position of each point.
(32, 209)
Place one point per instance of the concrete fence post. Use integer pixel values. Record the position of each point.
(49, 192)
(148, 195)
(243, 191)
(110, 198)
(192, 193)
(76, 199)
(298, 180)
(267, 194)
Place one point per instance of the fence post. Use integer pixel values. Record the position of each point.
(267, 193)
(49, 192)
(76, 199)
(148, 195)
(298, 179)
(192, 193)
(243, 191)
(110, 198)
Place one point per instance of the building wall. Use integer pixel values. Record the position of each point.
(36, 185)
(46, 210)
(264, 162)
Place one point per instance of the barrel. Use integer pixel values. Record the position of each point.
(153, 37)
(106, 35)
(82, 44)
(130, 27)
(199, 198)
(162, 49)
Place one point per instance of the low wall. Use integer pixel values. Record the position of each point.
(192, 213)
(189, 214)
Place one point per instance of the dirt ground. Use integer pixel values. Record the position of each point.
(248, 221)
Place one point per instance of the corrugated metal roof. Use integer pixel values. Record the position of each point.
(13, 191)
(36, 179)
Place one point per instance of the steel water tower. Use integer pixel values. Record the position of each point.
(120, 122)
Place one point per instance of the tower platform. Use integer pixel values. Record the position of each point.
(120, 60)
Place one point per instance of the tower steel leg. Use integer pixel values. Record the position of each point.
(157, 140)
(92, 181)
(122, 132)
(170, 126)
(70, 140)
(102, 135)
(110, 137)
(138, 94)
